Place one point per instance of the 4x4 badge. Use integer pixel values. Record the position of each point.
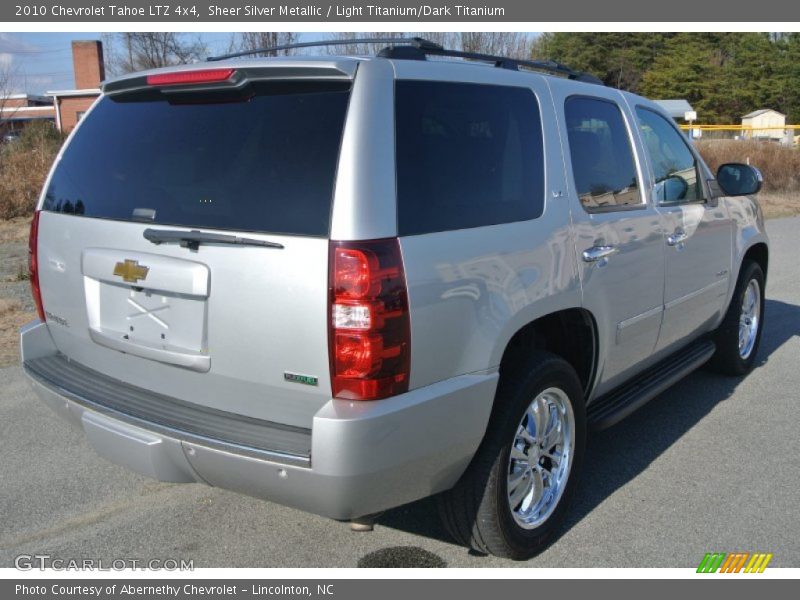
(130, 270)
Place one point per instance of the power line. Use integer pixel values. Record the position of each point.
(34, 51)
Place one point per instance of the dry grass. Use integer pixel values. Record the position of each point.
(13, 314)
(775, 204)
(12, 317)
(780, 165)
(24, 165)
(15, 230)
(8, 306)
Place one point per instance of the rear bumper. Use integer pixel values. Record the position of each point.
(364, 457)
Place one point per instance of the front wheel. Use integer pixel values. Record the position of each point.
(739, 334)
(512, 499)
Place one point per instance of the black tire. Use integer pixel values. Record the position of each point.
(476, 511)
(727, 359)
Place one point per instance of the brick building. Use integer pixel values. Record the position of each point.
(17, 110)
(89, 69)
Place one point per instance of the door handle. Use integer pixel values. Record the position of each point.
(677, 238)
(598, 253)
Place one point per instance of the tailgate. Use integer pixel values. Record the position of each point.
(236, 327)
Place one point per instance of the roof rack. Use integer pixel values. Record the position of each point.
(416, 48)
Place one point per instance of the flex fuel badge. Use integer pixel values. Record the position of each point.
(304, 379)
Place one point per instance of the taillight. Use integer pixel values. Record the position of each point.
(370, 331)
(190, 77)
(33, 264)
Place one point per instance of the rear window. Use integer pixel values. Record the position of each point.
(266, 164)
(468, 155)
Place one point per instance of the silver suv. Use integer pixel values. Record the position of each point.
(344, 284)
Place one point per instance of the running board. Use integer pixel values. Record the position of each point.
(622, 401)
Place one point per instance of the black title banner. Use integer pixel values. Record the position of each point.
(406, 11)
(397, 589)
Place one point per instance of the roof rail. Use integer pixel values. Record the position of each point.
(416, 48)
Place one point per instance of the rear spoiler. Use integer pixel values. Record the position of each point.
(231, 77)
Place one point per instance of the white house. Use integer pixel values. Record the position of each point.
(762, 122)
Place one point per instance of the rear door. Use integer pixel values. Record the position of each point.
(618, 234)
(235, 325)
(485, 246)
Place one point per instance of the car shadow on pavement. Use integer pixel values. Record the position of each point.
(611, 461)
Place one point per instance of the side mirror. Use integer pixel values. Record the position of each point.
(737, 179)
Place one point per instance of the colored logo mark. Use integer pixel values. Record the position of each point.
(735, 562)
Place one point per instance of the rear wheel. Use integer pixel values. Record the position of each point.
(512, 498)
(739, 335)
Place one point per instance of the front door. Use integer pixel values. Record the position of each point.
(698, 237)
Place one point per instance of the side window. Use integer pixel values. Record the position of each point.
(602, 158)
(674, 166)
(468, 155)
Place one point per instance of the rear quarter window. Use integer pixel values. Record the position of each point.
(468, 155)
(265, 164)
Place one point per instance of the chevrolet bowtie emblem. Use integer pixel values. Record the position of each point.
(130, 271)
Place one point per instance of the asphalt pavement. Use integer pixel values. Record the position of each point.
(710, 465)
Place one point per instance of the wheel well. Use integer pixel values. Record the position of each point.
(570, 334)
(760, 254)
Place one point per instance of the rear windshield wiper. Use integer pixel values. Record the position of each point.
(192, 239)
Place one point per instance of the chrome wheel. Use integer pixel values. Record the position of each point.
(749, 319)
(540, 458)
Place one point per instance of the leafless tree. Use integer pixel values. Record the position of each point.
(134, 51)
(253, 40)
(356, 49)
(447, 39)
(513, 44)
